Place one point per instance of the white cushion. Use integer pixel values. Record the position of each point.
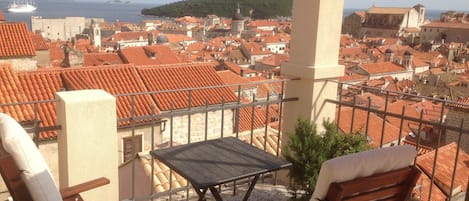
(30, 162)
(362, 164)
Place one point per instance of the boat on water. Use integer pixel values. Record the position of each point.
(22, 6)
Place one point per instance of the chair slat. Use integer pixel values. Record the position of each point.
(397, 184)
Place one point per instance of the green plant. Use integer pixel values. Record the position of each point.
(307, 150)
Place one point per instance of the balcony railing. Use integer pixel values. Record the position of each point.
(429, 130)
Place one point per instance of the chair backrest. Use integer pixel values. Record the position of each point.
(396, 185)
(23, 165)
(344, 176)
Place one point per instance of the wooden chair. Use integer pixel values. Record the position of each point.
(395, 185)
(379, 174)
(25, 172)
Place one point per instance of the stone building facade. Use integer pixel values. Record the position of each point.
(58, 28)
(353, 24)
(438, 31)
(392, 22)
(216, 120)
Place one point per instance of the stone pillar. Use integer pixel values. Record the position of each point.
(87, 141)
(313, 60)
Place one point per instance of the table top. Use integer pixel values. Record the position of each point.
(218, 161)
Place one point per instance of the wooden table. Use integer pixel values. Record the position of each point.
(210, 163)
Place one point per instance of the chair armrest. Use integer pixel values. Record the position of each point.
(74, 190)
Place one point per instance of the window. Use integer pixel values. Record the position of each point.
(127, 147)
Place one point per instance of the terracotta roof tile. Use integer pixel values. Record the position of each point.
(264, 88)
(99, 59)
(132, 35)
(259, 141)
(161, 175)
(237, 69)
(249, 119)
(445, 165)
(275, 59)
(375, 125)
(56, 53)
(149, 55)
(12, 92)
(383, 67)
(231, 78)
(15, 40)
(256, 49)
(39, 42)
(184, 76)
(115, 79)
(42, 86)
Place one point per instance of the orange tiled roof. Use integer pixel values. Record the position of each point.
(39, 42)
(263, 23)
(40, 86)
(184, 76)
(99, 59)
(115, 79)
(375, 125)
(445, 165)
(149, 55)
(384, 67)
(265, 89)
(15, 40)
(230, 78)
(161, 175)
(275, 59)
(255, 119)
(56, 53)
(12, 92)
(255, 49)
(237, 69)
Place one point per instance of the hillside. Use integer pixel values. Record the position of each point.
(260, 9)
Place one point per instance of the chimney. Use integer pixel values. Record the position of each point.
(241, 72)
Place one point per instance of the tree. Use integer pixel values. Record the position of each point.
(307, 150)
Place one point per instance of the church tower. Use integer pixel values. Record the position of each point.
(237, 23)
(95, 34)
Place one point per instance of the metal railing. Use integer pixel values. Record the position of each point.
(448, 126)
(228, 114)
(31, 115)
(164, 123)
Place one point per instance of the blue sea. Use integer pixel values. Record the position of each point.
(111, 12)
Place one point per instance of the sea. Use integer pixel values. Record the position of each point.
(110, 11)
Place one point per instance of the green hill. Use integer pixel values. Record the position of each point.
(259, 9)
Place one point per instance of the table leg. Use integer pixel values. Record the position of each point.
(215, 194)
(251, 187)
(201, 193)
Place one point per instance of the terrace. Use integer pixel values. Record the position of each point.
(112, 132)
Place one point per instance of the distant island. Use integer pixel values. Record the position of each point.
(257, 9)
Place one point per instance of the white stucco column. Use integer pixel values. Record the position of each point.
(314, 56)
(87, 141)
